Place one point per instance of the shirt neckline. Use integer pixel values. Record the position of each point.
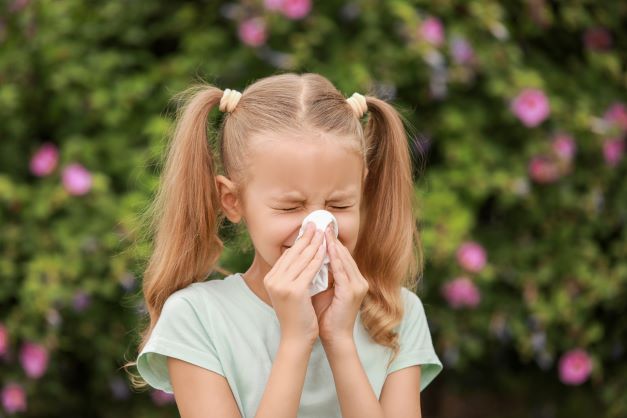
(251, 295)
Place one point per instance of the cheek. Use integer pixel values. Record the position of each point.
(277, 232)
(268, 231)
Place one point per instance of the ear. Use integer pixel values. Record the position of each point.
(229, 199)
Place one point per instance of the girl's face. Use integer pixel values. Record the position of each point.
(290, 179)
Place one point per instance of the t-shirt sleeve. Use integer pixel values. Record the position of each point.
(416, 346)
(182, 333)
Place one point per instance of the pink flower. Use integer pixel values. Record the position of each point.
(543, 169)
(273, 4)
(613, 150)
(13, 398)
(45, 160)
(4, 340)
(462, 51)
(76, 179)
(34, 359)
(575, 367)
(432, 31)
(296, 9)
(531, 106)
(597, 39)
(253, 31)
(461, 292)
(616, 115)
(564, 146)
(471, 256)
(161, 398)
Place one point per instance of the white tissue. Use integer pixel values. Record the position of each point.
(321, 218)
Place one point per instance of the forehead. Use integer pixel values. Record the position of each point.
(298, 167)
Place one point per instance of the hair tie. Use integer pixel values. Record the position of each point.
(358, 104)
(230, 99)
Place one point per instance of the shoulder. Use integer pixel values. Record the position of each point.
(198, 298)
(203, 292)
(211, 295)
(413, 310)
(196, 309)
(412, 300)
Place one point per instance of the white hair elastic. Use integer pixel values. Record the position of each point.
(230, 99)
(358, 103)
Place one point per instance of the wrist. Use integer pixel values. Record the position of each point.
(297, 344)
(339, 342)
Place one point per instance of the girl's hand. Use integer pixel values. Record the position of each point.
(287, 284)
(336, 320)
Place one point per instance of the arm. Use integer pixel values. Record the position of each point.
(281, 397)
(400, 395)
(200, 392)
(357, 399)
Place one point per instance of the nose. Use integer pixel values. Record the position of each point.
(329, 227)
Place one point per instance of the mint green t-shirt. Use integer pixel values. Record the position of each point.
(221, 325)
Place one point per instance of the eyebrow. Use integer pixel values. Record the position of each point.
(295, 196)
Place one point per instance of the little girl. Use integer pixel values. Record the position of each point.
(256, 344)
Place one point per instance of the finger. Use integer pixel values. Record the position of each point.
(292, 253)
(347, 260)
(305, 239)
(336, 262)
(351, 266)
(310, 270)
(306, 257)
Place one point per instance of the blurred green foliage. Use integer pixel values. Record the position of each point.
(95, 80)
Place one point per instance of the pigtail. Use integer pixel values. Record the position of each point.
(388, 249)
(187, 205)
(185, 214)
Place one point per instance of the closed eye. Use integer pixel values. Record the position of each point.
(334, 207)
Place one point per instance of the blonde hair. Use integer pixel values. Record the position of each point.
(186, 213)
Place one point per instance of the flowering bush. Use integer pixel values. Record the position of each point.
(520, 115)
